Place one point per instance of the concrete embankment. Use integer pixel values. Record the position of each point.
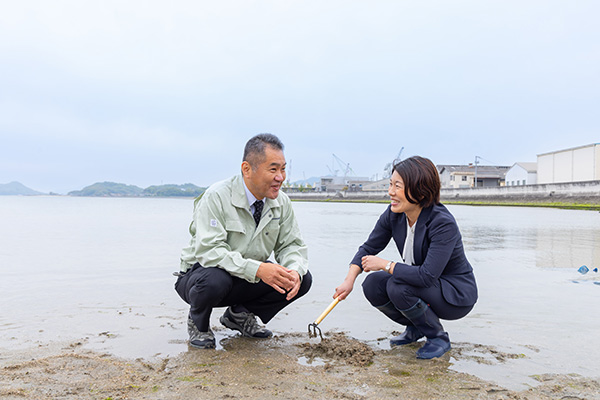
(555, 194)
(572, 193)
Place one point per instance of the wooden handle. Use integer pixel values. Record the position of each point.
(327, 310)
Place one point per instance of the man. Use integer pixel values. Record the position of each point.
(238, 223)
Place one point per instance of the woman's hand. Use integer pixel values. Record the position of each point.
(373, 263)
(342, 291)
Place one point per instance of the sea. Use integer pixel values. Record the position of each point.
(98, 271)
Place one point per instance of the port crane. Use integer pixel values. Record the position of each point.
(345, 167)
(388, 169)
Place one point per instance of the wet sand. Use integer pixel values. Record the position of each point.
(288, 366)
(116, 329)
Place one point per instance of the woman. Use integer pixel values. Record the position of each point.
(433, 279)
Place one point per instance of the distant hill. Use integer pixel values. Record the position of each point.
(112, 189)
(16, 189)
(310, 181)
(108, 189)
(186, 190)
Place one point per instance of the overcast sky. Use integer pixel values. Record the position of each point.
(151, 92)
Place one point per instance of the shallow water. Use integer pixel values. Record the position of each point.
(99, 270)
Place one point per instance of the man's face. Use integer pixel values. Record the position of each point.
(267, 178)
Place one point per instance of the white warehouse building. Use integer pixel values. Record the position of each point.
(522, 173)
(577, 164)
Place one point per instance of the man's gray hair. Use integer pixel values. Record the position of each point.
(254, 152)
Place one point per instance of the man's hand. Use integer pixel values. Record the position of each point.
(279, 278)
(294, 291)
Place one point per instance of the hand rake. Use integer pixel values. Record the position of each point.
(313, 328)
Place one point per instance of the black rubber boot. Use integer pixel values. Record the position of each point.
(428, 323)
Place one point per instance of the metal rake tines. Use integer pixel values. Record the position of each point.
(313, 329)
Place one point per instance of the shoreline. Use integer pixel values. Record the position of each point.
(572, 195)
(573, 202)
(559, 205)
(288, 366)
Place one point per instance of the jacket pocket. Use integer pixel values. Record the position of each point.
(233, 225)
(272, 230)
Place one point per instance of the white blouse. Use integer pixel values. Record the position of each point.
(408, 252)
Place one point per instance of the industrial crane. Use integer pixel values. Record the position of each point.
(388, 169)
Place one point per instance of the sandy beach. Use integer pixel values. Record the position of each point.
(102, 321)
(288, 366)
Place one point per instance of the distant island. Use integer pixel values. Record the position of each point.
(112, 189)
(17, 189)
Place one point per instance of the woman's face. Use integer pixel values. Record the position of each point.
(398, 200)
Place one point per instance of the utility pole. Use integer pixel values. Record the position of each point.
(477, 158)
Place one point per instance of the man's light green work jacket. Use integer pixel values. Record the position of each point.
(225, 235)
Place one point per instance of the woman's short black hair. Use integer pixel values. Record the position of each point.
(421, 180)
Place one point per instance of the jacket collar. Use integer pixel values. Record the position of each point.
(238, 193)
(239, 198)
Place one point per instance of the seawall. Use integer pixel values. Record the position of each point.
(570, 193)
(573, 192)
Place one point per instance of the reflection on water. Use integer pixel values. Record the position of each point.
(559, 250)
(100, 270)
(559, 238)
(483, 238)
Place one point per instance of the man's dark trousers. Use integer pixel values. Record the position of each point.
(206, 288)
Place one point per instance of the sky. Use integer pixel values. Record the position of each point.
(155, 92)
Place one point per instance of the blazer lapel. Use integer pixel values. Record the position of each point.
(419, 244)
(401, 233)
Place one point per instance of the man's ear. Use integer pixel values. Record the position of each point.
(246, 169)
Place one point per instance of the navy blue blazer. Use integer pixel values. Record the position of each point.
(438, 251)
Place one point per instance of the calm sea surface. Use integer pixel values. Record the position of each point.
(100, 269)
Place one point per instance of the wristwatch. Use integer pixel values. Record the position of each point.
(388, 266)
